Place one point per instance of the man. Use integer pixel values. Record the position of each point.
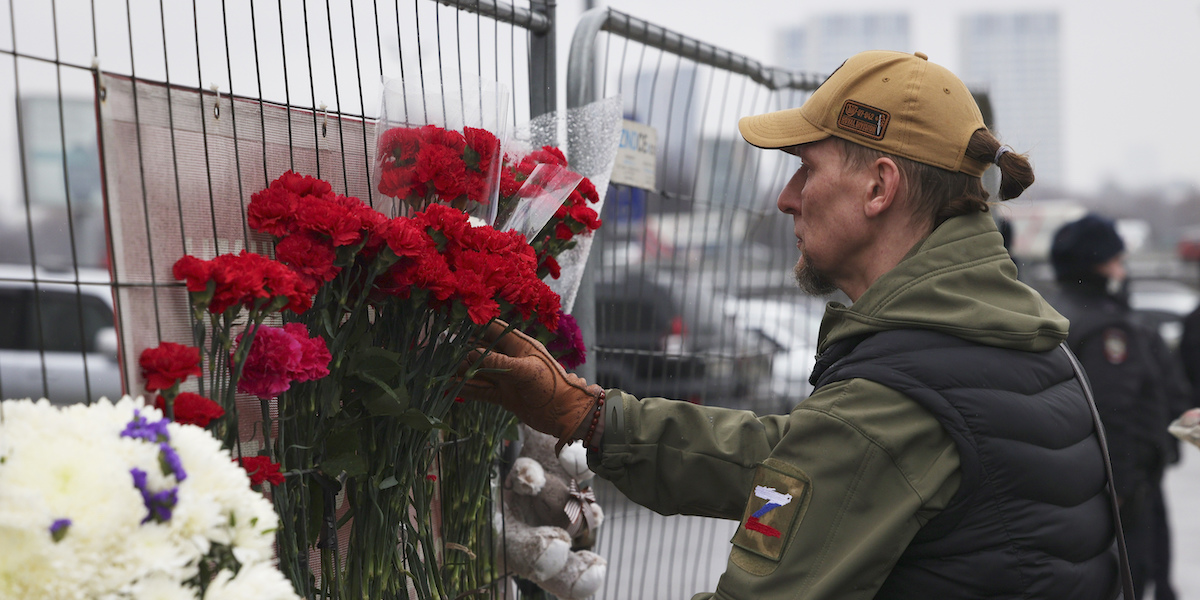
(1137, 388)
(947, 451)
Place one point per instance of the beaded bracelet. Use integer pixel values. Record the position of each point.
(587, 438)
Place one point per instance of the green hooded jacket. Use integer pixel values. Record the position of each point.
(830, 495)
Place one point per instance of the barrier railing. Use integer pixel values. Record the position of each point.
(690, 275)
(703, 239)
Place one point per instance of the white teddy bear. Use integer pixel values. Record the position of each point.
(550, 519)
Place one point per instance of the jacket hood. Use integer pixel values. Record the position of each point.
(961, 281)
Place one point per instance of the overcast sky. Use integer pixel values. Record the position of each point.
(1131, 69)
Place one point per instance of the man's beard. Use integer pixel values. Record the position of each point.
(812, 281)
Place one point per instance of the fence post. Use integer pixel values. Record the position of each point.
(543, 62)
(582, 89)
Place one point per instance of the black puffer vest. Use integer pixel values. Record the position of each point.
(1031, 518)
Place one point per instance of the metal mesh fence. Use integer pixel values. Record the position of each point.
(135, 131)
(693, 283)
(208, 101)
(313, 60)
(694, 296)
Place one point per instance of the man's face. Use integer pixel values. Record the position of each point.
(827, 218)
(1114, 268)
(1115, 274)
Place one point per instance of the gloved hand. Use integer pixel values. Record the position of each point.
(521, 375)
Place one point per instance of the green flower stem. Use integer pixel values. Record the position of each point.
(237, 362)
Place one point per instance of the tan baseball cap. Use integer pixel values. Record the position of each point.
(895, 102)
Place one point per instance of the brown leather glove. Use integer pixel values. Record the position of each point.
(521, 375)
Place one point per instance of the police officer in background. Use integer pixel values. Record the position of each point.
(1122, 361)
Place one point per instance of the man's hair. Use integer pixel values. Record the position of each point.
(937, 194)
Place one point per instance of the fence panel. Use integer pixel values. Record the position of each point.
(236, 82)
(691, 274)
(165, 117)
(316, 60)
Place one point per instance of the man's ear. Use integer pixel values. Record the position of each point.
(885, 182)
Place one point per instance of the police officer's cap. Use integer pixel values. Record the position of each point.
(1081, 245)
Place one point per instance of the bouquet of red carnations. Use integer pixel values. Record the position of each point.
(538, 199)
(351, 337)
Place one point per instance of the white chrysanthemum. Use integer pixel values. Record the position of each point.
(72, 464)
(159, 586)
(24, 564)
(153, 547)
(215, 487)
(260, 581)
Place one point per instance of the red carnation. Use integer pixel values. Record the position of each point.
(239, 282)
(195, 272)
(552, 267)
(509, 185)
(476, 293)
(450, 221)
(486, 145)
(340, 223)
(444, 167)
(246, 279)
(585, 215)
(400, 182)
(434, 135)
(548, 154)
(260, 469)
(399, 144)
(302, 185)
(431, 273)
(477, 186)
(405, 237)
(272, 211)
(192, 409)
(168, 364)
(309, 255)
(588, 190)
(369, 217)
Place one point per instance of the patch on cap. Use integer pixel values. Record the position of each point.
(864, 120)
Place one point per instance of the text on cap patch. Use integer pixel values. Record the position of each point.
(864, 120)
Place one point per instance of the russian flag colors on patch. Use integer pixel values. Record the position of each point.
(774, 500)
(773, 510)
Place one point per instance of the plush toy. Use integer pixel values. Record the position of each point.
(550, 519)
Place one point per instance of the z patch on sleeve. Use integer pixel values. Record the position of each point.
(771, 511)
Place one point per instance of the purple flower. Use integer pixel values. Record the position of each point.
(158, 504)
(568, 347)
(58, 529)
(170, 461)
(140, 428)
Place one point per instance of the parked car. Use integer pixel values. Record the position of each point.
(790, 327)
(57, 338)
(659, 334)
(1163, 304)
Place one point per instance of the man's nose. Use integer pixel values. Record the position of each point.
(787, 202)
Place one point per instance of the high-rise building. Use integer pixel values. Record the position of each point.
(820, 45)
(1015, 57)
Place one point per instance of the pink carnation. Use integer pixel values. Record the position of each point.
(314, 354)
(268, 369)
(280, 356)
